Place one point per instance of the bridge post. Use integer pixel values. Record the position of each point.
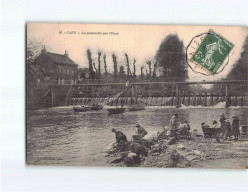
(92, 91)
(177, 90)
(52, 97)
(149, 90)
(177, 94)
(227, 86)
(205, 101)
(212, 100)
(228, 98)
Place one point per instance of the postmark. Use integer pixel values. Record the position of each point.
(208, 53)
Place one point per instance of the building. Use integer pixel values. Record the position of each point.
(35, 76)
(58, 69)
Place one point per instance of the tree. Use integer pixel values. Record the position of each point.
(239, 72)
(99, 64)
(115, 66)
(171, 57)
(240, 69)
(121, 73)
(33, 50)
(128, 66)
(91, 72)
(154, 74)
(150, 68)
(105, 66)
(134, 68)
(94, 65)
(141, 72)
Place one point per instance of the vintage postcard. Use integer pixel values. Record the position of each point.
(137, 95)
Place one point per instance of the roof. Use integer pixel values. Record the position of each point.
(61, 59)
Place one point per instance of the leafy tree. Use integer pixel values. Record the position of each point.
(171, 57)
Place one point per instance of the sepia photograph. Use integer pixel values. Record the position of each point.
(119, 95)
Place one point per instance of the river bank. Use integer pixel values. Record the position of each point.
(198, 152)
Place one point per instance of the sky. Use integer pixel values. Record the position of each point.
(138, 41)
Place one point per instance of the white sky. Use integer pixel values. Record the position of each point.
(138, 41)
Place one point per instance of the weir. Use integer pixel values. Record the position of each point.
(160, 101)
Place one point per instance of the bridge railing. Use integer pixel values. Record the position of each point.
(137, 81)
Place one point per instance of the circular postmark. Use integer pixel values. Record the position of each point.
(208, 53)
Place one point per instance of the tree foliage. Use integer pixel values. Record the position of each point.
(240, 69)
(33, 50)
(171, 57)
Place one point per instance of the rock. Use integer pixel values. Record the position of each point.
(160, 164)
(192, 157)
(164, 146)
(131, 154)
(172, 141)
(181, 147)
(132, 160)
(194, 133)
(197, 152)
(174, 156)
(112, 151)
(156, 148)
(117, 160)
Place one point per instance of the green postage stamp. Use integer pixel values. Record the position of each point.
(212, 52)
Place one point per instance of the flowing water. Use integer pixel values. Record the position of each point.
(59, 136)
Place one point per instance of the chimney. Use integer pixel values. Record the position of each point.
(66, 53)
(43, 49)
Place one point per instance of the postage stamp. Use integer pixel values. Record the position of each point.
(212, 52)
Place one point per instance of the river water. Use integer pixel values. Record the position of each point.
(59, 136)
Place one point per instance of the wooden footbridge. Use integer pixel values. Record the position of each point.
(155, 92)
